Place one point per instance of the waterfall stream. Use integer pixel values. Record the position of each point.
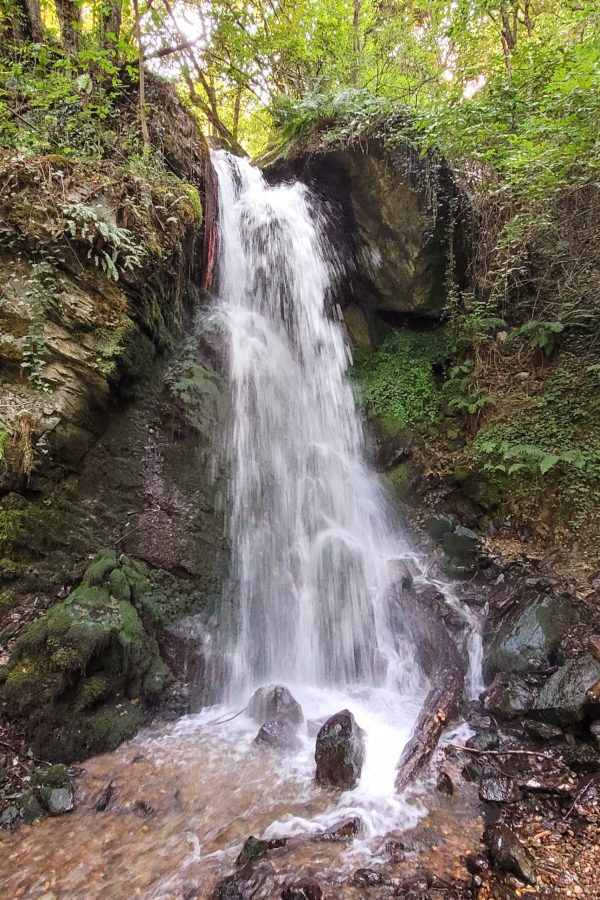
(309, 529)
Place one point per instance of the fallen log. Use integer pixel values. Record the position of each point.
(420, 609)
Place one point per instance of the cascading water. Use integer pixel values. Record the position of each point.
(309, 531)
(314, 554)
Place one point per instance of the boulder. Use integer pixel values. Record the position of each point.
(527, 639)
(509, 696)
(275, 703)
(340, 752)
(60, 801)
(564, 698)
(495, 788)
(509, 854)
(280, 735)
(461, 543)
(304, 889)
(444, 784)
(483, 740)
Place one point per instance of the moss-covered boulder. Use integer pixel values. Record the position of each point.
(80, 675)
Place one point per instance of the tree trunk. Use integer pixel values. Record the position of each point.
(70, 20)
(441, 661)
(24, 19)
(142, 78)
(355, 41)
(109, 26)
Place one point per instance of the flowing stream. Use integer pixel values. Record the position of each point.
(315, 549)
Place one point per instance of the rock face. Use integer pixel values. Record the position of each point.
(394, 218)
(275, 703)
(565, 698)
(526, 639)
(340, 752)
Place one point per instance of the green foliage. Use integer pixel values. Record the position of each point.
(112, 248)
(541, 335)
(397, 382)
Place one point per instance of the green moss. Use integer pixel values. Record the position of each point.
(397, 383)
(69, 668)
(399, 479)
(194, 202)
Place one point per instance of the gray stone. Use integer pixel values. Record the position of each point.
(483, 740)
(509, 696)
(280, 735)
(509, 854)
(526, 640)
(10, 818)
(60, 801)
(543, 731)
(340, 751)
(275, 703)
(460, 543)
(498, 789)
(439, 525)
(563, 699)
(595, 732)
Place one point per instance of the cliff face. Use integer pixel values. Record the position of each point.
(107, 424)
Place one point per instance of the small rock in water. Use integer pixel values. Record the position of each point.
(343, 831)
(476, 864)
(498, 789)
(280, 735)
(509, 854)
(103, 800)
(367, 878)
(444, 784)
(305, 889)
(59, 801)
(10, 818)
(340, 752)
(255, 849)
(275, 703)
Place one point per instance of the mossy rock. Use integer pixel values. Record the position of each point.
(75, 672)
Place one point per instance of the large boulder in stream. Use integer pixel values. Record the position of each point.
(275, 704)
(572, 692)
(340, 752)
(279, 735)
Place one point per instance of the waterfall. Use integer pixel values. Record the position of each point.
(313, 548)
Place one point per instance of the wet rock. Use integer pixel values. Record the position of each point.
(343, 831)
(439, 525)
(103, 800)
(245, 885)
(60, 801)
(483, 740)
(461, 543)
(10, 818)
(509, 696)
(275, 703)
(498, 789)
(543, 731)
(304, 889)
(30, 807)
(340, 752)
(444, 784)
(526, 640)
(476, 864)
(255, 849)
(509, 854)
(564, 698)
(368, 878)
(581, 757)
(280, 735)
